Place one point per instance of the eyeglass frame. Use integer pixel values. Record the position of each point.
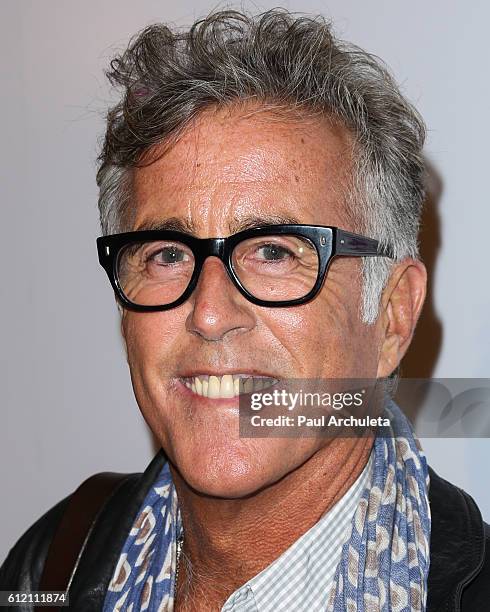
(341, 242)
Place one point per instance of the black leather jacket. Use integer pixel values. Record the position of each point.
(459, 576)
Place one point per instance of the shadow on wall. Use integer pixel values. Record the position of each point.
(421, 358)
(422, 355)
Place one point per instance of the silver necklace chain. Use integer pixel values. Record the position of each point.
(179, 545)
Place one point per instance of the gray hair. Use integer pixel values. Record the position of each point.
(282, 61)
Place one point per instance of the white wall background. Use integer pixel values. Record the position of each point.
(67, 404)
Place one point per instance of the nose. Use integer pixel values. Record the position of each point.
(218, 308)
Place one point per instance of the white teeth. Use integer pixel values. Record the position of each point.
(228, 385)
(227, 389)
(248, 385)
(258, 384)
(214, 387)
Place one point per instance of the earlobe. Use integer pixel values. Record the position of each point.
(401, 306)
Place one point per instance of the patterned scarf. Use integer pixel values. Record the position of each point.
(384, 562)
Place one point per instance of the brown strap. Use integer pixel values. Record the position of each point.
(74, 529)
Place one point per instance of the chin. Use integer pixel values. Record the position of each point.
(227, 471)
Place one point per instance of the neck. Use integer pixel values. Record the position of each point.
(228, 541)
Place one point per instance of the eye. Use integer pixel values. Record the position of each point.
(168, 255)
(273, 252)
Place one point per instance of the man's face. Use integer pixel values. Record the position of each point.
(228, 171)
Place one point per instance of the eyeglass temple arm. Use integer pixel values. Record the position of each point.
(347, 243)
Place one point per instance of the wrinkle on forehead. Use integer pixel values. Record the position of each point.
(233, 162)
(255, 166)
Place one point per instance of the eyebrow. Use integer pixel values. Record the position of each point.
(251, 221)
(248, 222)
(172, 223)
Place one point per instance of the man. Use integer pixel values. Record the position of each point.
(260, 194)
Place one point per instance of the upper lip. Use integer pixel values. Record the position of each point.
(222, 372)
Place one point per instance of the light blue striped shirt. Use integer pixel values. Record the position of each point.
(301, 578)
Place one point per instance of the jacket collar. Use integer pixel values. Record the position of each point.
(457, 544)
(105, 541)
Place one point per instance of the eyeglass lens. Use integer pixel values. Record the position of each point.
(271, 268)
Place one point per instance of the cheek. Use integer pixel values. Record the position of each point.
(151, 341)
(326, 338)
(151, 337)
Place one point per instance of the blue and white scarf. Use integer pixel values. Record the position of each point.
(384, 562)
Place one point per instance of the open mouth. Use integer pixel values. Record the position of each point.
(227, 385)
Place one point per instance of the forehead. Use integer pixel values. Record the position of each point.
(228, 166)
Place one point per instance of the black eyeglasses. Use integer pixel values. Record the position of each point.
(273, 265)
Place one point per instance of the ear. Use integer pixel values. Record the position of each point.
(401, 304)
